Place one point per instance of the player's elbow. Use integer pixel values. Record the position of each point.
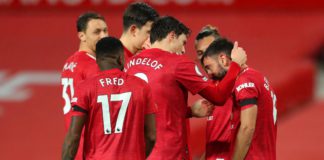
(248, 129)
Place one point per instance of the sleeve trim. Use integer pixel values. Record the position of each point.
(249, 101)
(79, 109)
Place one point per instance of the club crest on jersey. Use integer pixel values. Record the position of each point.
(245, 85)
(69, 66)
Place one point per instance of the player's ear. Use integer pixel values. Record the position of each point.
(133, 30)
(171, 36)
(225, 60)
(82, 36)
(221, 58)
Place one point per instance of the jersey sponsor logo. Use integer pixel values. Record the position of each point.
(245, 85)
(146, 62)
(111, 81)
(69, 66)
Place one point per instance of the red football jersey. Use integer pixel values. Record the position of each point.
(77, 68)
(252, 87)
(116, 104)
(171, 77)
(218, 132)
(127, 55)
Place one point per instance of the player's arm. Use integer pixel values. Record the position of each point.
(219, 94)
(149, 124)
(71, 142)
(245, 132)
(150, 133)
(203, 156)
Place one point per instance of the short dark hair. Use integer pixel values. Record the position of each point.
(82, 22)
(218, 46)
(138, 14)
(206, 31)
(109, 47)
(163, 26)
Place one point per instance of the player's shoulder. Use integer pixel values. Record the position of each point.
(249, 76)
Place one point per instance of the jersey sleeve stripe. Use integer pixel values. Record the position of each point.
(249, 101)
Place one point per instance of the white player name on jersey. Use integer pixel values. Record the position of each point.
(146, 62)
(69, 66)
(111, 81)
(245, 85)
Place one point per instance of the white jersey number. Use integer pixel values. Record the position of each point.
(67, 82)
(104, 100)
(274, 102)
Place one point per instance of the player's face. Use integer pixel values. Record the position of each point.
(96, 29)
(178, 44)
(214, 68)
(201, 46)
(142, 35)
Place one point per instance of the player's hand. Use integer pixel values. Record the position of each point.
(238, 54)
(202, 108)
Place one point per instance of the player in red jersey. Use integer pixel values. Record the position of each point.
(137, 22)
(171, 76)
(254, 102)
(81, 65)
(115, 109)
(218, 123)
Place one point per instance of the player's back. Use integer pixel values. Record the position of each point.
(117, 106)
(162, 72)
(252, 83)
(77, 67)
(218, 132)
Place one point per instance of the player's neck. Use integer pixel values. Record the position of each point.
(87, 49)
(162, 46)
(127, 43)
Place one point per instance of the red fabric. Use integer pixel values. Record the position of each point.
(170, 77)
(220, 93)
(252, 84)
(77, 68)
(127, 55)
(218, 132)
(129, 142)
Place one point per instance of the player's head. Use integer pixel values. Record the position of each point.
(109, 53)
(217, 58)
(170, 33)
(91, 28)
(204, 38)
(137, 22)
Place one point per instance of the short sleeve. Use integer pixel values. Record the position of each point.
(81, 98)
(189, 75)
(150, 104)
(246, 92)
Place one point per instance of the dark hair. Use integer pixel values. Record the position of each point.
(138, 14)
(163, 26)
(218, 46)
(206, 31)
(82, 22)
(109, 47)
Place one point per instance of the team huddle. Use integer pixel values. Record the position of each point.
(127, 98)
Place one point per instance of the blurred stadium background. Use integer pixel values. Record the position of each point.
(283, 38)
